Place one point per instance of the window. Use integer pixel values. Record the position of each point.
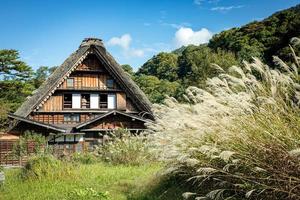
(94, 98)
(70, 82)
(67, 100)
(76, 100)
(71, 118)
(110, 83)
(103, 101)
(111, 101)
(85, 100)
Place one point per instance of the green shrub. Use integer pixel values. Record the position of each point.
(88, 193)
(45, 166)
(125, 148)
(84, 158)
(21, 148)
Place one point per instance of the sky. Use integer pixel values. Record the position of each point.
(46, 32)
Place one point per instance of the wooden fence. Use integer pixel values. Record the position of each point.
(8, 159)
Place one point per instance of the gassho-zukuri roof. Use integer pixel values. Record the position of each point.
(88, 46)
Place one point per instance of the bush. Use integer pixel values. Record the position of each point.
(45, 166)
(84, 158)
(88, 193)
(239, 138)
(21, 148)
(125, 148)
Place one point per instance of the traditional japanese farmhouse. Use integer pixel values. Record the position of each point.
(87, 96)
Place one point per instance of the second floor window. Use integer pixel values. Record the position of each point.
(70, 82)
(103, 101)
(67, 100)
(110, 83)
(85, 100)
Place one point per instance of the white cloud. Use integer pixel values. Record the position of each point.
(135, 53)
(185, 36)
(226, 8)
(198, 2)
(174, 25)
(123, 41)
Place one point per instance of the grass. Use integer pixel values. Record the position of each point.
(119, 181)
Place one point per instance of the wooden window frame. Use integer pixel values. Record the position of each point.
(101, 101)
(70, 117)
(113, 83)
(64, 100)
(73, 80)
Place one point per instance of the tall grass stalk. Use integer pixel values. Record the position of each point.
(239, 137)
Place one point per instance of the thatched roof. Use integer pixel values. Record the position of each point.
(89, 45)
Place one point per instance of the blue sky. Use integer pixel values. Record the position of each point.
(47, 32)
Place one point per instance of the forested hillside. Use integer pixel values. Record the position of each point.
(171, 73)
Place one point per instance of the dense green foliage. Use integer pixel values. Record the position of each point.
(262, 39)
(17, 81)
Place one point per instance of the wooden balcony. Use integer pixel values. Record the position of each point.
(100, 89)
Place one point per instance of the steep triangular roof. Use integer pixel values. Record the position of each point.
(88, 46)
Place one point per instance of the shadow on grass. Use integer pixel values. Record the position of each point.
(159, 188)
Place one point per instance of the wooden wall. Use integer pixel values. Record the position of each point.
(121, 101)
(117, 121)
(54, 103)
(58, 118)
(93, 81)
(91, 63)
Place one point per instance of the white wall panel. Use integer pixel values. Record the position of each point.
(76, 98)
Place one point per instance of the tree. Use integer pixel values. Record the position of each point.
(15, 84)
(41, 74)
(127, 68)
(195, 64)
(156, 89)
(262, 39)
(163, 66)
(11, 67)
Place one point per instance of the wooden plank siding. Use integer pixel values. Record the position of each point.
(121, 101)
(88, 81)
(91, 63)
(58, 118)
(54, 103)
(114, 122)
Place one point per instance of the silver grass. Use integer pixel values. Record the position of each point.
(226, 155)
(188, 195)
(206, 170)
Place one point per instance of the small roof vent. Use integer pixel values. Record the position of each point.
(92, 41)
